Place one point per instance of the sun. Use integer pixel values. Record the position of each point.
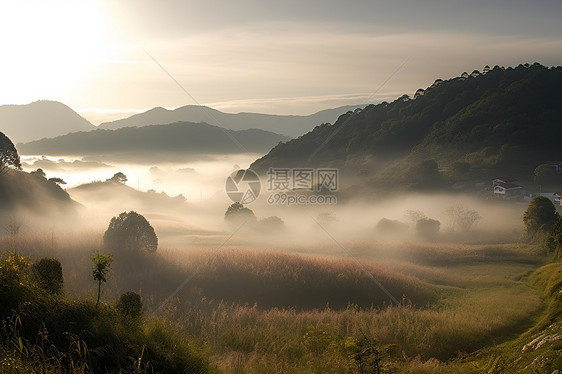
(48, 47)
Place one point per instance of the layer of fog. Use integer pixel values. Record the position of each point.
(196, 217)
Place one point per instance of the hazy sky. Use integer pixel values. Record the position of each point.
(265, 56)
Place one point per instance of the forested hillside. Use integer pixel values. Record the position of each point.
(500, 120)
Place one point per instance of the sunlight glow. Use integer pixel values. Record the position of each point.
(47, 47)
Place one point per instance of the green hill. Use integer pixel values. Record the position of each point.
(181, 137)
(502, 121)
(33, 193)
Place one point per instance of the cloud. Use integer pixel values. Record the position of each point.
(274, 54)
(301, 62)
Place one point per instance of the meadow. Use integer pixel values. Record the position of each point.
(313, 309)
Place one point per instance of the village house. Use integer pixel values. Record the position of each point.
(505, 187)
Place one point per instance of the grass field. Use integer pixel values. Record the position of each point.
(266, 310)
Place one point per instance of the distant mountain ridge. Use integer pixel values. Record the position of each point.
(290, 125)
(40, 119)
(502, 121)
(180, 137)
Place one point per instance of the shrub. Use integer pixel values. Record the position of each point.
(387, 226)
(540, 215)
(47, 273)
(130, 305)
(271, 224)
(13, 268)
(428, 228)
(237, 214)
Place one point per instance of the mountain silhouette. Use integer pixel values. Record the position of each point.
(180, 137)
(290, 125)
(40, 119)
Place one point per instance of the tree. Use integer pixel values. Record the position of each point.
(47, 273)
(428, 228)
(540, 215)
(415, 215)
(272, 224)
(545, 174)
(462, 218)
(101, 264)
(237, 213)
(39, 173)
(130, 232)
(8, 154)
(130, 305)
(387, 226)
(57, 180)
(118, 178)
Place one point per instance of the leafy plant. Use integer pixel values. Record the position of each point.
(130, 305)
(101, 264)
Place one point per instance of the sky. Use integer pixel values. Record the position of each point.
(110, 59)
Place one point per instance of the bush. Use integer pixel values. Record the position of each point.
(237, 214)
(130, 305)
(428, 228)
(130, 232)
(271, 224)
(540, 215)
(13, 269)
(13, 272)
(47, 273)
(387, 226)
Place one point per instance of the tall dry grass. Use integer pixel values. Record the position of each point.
(257, 310)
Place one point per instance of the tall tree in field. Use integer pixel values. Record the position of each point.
(130, 232)
(101, 263)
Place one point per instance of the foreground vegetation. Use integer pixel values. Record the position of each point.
(393, 307)
(43, 332)
(467, 297)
